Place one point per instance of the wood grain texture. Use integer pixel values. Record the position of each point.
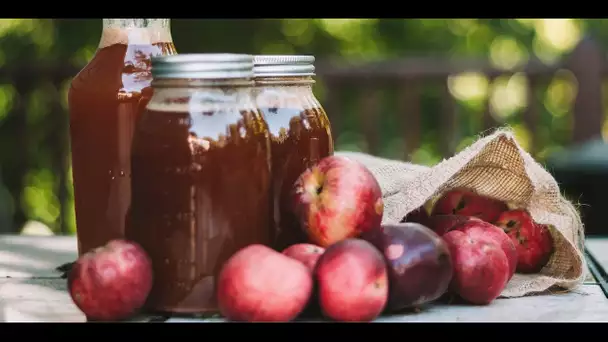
(37, 300)
(585, 304)
(35, 256)
(31, 291)
(598, 247)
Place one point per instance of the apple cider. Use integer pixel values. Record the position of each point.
(300, 132)
(200, 176)
(105, 100)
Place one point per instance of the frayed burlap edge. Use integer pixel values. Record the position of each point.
(495, 166)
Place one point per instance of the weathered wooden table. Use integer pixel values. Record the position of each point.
(32, 291)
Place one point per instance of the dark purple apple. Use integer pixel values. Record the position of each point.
(419, 263)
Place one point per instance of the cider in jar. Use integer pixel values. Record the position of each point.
(201, 176)
(300, 132)
(105, 100)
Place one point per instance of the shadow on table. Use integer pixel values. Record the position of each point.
(34, 257)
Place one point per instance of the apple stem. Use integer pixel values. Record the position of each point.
(460, 206)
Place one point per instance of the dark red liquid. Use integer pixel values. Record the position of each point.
(106, 99)
(201, 186)
(299, 139)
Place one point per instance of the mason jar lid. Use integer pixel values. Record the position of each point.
(283, 65)
(203, 65)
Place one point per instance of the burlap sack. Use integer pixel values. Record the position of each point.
(498, 167)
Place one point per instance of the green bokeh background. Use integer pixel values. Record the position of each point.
(505, 43)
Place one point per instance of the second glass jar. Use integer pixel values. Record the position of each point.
(201, 176)
(300, 132)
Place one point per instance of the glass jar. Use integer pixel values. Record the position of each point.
(300, 132)
(201, 176)
(105, 101)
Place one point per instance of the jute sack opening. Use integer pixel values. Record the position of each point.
(494, 166)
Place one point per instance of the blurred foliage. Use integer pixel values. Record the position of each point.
(29, 187)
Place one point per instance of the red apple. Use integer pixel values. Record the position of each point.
(352, 281)
(467, 203)
(309, 255)
(442, 224)
(533, 241)
(111, 282)
(483, 230)
(481, 268)
(337, 199)
(306, 253)
(259, 284)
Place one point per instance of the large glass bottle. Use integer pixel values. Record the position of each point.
(201, 176)
(105, 101)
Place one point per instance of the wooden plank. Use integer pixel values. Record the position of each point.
(410, 108)
(425, 67)
(35, 256)
(40, 300)
(369, 106)
(36, 294)
(37, 300)
(585, 304)
(332, 106)
(598, 247)
(448, 129)
(532, 113)
(590, 279)
(60, 147)
(488, 120)
(587, 62)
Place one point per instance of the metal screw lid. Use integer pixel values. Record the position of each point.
(203, 65)
(283, 65)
